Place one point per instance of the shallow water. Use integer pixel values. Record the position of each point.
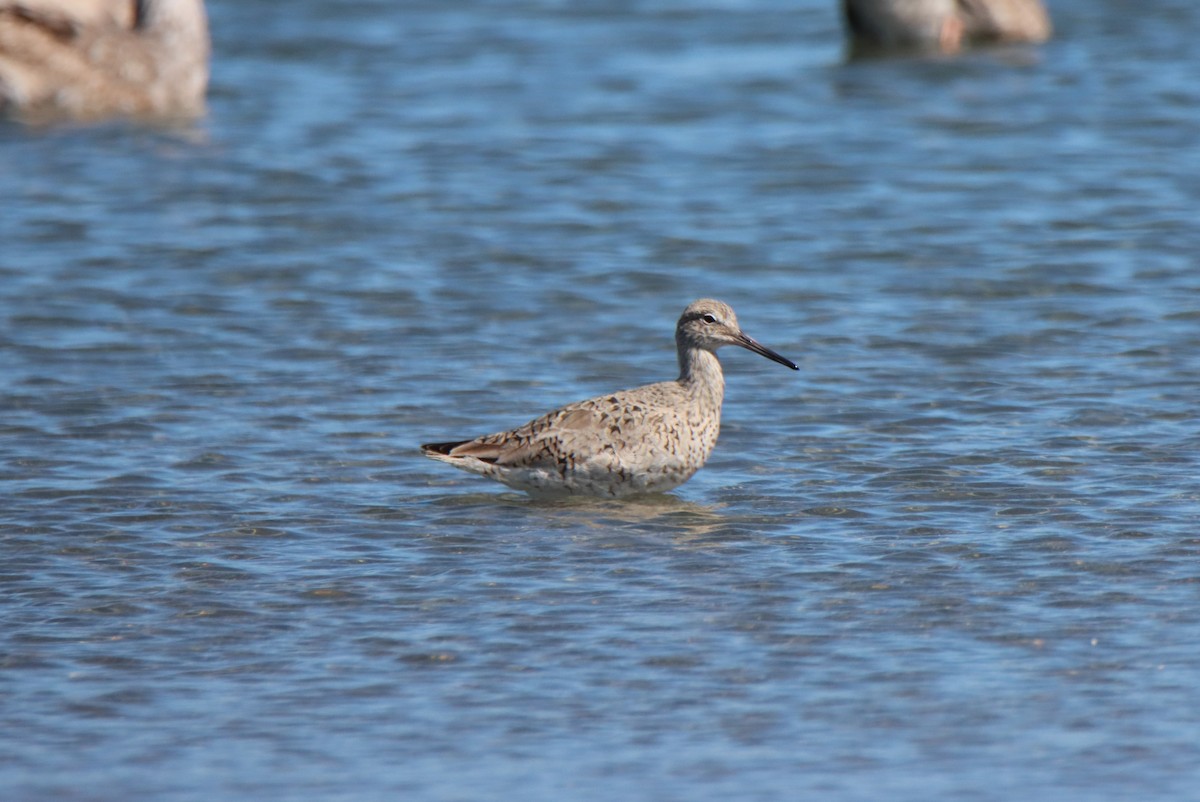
(955, 557)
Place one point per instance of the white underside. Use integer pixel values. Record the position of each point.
(600, 482)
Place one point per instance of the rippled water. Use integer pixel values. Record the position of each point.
(955, 557)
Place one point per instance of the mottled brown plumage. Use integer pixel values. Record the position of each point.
(94, 59)
(944, 25)
(646, 440)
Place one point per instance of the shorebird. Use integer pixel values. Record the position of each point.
(650, 439)
(944, 25)
(93, 59)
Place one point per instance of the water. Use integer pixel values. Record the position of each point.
(955, 557)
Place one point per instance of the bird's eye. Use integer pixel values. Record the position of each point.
(709, 319)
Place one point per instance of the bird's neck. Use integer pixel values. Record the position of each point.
(700, 373)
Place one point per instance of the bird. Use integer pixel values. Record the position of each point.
(645, 440)
(944, 25)
(89, 60)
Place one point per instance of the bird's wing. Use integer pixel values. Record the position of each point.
(67, 18)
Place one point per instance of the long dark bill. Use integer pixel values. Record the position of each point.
(751, 344)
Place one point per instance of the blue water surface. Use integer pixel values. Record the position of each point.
(955, 557)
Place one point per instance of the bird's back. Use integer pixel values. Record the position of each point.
(645, 440)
